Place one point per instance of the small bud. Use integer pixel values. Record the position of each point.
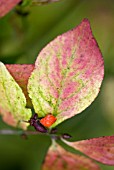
(35, 116)
(39, 127)
(66, 136)
(53, 131)
(31, 121)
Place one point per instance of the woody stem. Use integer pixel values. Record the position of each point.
(18, 132)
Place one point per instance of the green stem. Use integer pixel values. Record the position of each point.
(43, 2)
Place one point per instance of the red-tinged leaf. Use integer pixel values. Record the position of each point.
(100, 149)
(21, 74)
(58, 158)
(7, 5)
(12, 100)
(68, 74)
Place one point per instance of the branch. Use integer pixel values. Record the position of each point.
(18, 132)
(26, 133)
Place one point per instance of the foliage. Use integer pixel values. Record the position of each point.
(65, 80)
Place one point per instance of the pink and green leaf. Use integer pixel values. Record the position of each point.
(101, 149)
(12, 100)
(21, 74)
(58, 158)
(7, 5)
(68, 74)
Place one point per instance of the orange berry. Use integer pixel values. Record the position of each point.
(48, 120)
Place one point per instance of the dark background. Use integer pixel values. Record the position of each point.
(21, 39)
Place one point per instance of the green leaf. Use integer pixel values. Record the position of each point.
(68, 74)
(12, 100)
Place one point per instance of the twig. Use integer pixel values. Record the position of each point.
(26, 133)
(18, 132)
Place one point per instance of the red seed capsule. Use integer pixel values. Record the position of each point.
(48, 120)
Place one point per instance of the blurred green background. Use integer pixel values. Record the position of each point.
(21, 39)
